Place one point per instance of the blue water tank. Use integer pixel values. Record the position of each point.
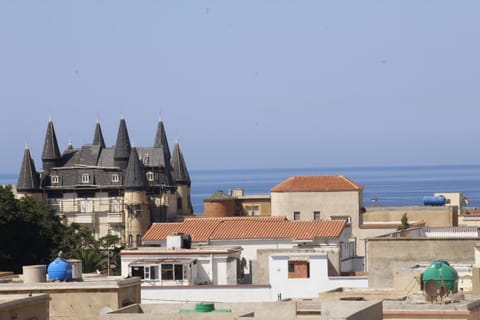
(434, 201)
(59, 269)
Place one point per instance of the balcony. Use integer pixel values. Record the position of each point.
(84, 218)
(115, 217)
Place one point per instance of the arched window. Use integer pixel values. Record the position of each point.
(139, 240)
(130, 240)
(179, 203)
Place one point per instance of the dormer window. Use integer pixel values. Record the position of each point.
(150, 176)
(115, 178)
(85, 178)
(145, 158)
(55, 179)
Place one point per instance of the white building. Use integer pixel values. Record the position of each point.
(182, 267)
(255, 233)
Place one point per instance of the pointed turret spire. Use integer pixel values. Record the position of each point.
(98, 137)
(51, 153)
(135, 179)
(122, 147)
(161, 140)
(28, 180)
(180, 170)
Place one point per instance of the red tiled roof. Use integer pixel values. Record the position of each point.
(316, 183)
(203, 229)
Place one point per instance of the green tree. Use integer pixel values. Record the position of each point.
(92, 260)
(111, 246)
(30, 231)
(76, 239)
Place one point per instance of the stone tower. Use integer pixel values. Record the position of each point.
(137, 213)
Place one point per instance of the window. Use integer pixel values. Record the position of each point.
(139, 240)
(145, 158)
(134, 211)
(291, 267)
(138, 271)
(130, 241)
(85, 178)
(179, 203)
(154, 272)
(55, 179)
(252, 210)
(316, 215)
(86, 206)
(115, 205)
(173, 272)
(167, 271)
(150, 176)
(115, 178)
(178, 270)
(296, 215)
(298, 269)
(347, 218)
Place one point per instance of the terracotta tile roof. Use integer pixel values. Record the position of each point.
(316, 183)
(203, 229)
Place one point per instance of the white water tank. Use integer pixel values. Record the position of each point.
(76, 269)
(35, 273)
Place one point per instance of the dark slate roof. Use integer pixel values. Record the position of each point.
(180, 170)
(135, 178)
(106, 158)
(123, 146)
(50, 146)
(151, 157)
(88, 155)
(161, 140)
(28, 180)
(98, 137)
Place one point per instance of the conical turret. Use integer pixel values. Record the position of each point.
(180, 170)
(122, 147)
(51, 152)
(135, 179)
(161, 141)
(28, 180)
(182, 178)
(98, 137)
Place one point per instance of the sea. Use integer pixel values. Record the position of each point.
(382, 185)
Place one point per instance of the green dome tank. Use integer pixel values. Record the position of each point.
(441, 270)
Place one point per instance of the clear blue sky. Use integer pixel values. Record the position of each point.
(247, 84)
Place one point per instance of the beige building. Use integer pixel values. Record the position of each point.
(317, 198)
(281, 310)
(389, 254)
(24, 307)
(84, 300)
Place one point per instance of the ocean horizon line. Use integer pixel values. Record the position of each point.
(306, 168)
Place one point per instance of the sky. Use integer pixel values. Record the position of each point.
(246, 84)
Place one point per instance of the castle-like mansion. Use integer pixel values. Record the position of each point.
(117, 190)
